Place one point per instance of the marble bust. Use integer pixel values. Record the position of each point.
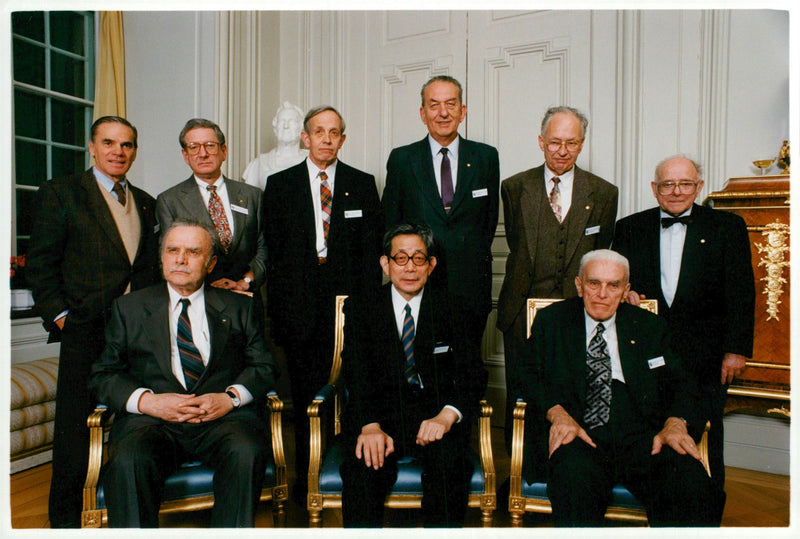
(287, 125)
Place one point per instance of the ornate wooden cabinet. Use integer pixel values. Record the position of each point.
(763, 202)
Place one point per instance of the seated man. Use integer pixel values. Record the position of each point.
(619, 405)
(185, 369)
(415, 384)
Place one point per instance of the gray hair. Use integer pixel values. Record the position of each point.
(441, 78)
(661, 163)
(114, 119)
(568, 110)
(319, 110)
(194, 123)
(606, 255)
(416, 229)
(187, 221)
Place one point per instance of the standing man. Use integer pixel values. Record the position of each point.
(232, 208)
(452, 185)
(554, 214)
(95, 238)
(613, 405)
(185, 370)
(415, 381)
(696, 262)
(322, 225)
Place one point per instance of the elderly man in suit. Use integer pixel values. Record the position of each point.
(696, 262)
(94, 238)
(322, 225)
(185, 369)
(415, 380)
(233, 208)
(452, 185)
(554, 214)
(614, 405)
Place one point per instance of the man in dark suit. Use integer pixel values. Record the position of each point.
(451, 184)
(554, 214)
(696, 262)
(322, 225)
(232, 208)
(613, 405)
(94, 238)
(415, 380)
(185, 369)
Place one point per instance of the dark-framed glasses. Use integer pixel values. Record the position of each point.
(418, 259)
(571, 145)
(193, 148)
(684, 187)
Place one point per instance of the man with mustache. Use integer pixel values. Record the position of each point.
(186, 371)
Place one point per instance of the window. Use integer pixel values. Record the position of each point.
(53, 84)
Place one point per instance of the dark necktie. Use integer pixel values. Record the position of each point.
(448, 193)
(555, 198)
(219, 218)
(120, 192)
(191, 361)
(326, 200)
(667, 222)
(598, 381)
(408, 348)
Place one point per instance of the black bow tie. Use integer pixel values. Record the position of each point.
(667, 222)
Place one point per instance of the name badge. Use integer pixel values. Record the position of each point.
(656, 362)
(245, 211)
(441, 349)
(350, 214)
(592, 230)
(477, 193)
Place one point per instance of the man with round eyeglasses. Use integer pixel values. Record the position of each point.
(696, 262)
(554, 214)
(232, 208)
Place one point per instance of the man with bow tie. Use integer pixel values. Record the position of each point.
(696, 262)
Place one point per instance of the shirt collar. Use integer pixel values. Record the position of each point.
(567, 177)
(399, 302)
(106, 182)
(219, 182)
(591, 323)
(175, 297)
(314, 170)
(687, 212)
(452, 148)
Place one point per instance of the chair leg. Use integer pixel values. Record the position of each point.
(278, 514)
(315, 518)
(486, 517)
(516, 519)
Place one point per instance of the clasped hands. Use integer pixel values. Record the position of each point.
(180, 408)
(374, 445)
(564, 429)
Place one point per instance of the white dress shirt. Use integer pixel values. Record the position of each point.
(610, 336)
(672, 240)
(313, 177)
(452, 155)
(222, 191)
(565, 183)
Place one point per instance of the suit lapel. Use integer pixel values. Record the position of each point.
(579, 211)
(236, 198)
(424, 175)
(98, 207)
(192, 201)
(693, 254)
(156, 323)
(465, 173)
(533, 199)
(628, 351)
(219, 326)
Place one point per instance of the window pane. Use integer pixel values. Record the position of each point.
(29, 115)
(31, 163)
(68, 122)
(28, 63)
(66, 75)
(26, 207)
(29, 24)
(67, 162)
(66, 31)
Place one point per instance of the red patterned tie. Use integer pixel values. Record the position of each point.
(326, 198)
(555, 198)
(217, 213)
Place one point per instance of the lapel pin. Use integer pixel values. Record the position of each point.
(347, 194)
(469, 164)
(588, 208)
(633, 342)
(703, 240)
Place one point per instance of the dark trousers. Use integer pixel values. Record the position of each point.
(445, 483)
(513, 340)
(143, 456)
(81, 345)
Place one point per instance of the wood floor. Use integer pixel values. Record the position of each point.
(754, 500)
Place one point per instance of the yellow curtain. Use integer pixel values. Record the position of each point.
(109, 89)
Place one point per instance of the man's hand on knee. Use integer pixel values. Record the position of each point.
(435, 428)
(373, 445)
(675, 435)
(564, 429)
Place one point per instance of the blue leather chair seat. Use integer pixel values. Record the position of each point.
(191, 480)
(409, 474)
(620, 496)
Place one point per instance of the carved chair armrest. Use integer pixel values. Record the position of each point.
(702, 447)
(275, 407)
(323, 405)
(97, 422)
(517, 449)
(485, 437)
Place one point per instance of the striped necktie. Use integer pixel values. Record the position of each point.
(191, 361)
(410, 370)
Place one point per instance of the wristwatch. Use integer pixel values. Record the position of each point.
(234, 398)
(249, 282)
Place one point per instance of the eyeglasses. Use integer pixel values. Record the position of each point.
(684, 187)
(401, 259)
(571, 145)
(193, 148)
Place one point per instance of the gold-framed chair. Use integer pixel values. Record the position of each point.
(324, 481)
(527, 497)
(191, 487)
